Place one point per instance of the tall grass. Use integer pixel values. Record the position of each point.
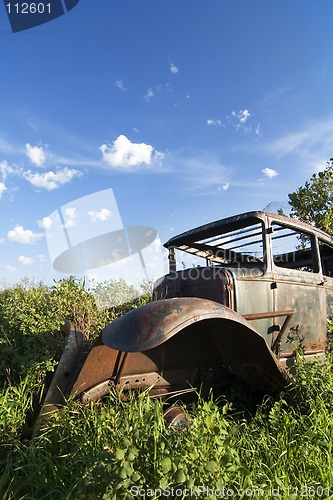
(240, 446)
(114, 450)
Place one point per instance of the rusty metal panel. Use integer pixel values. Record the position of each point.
(104, 363)
(252, 297)
(213, 283)
(214, 335)
(152, 324)
(308, 326)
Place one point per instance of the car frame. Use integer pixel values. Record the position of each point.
(262, 291)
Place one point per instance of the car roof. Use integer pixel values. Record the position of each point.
(239, 221)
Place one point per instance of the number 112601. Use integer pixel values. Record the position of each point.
(29, 8)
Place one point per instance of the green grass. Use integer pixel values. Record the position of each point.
(240, 446)
(105, 449)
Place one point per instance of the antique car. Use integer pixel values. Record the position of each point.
(258, 288)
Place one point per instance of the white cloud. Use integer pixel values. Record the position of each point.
(120, 84)
(201, 172)
(35, 154)
(9, 268)
(102, 215)
(25, 236)
(5, 169)
(45, 223)
(158, 90)
(26, 261)
(269, 172)
(244, 115)
(290, 142)
(238, 119)
(224, 187)
(42, 258)
(2, 188)
(276, 93)
(214, 123)
(51, 180)
(70, 216)
(123, 153)
(150, 94)
(313, 144)
(173, 69)
(6, 147)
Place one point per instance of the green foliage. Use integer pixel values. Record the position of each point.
(120, 296)
(114, 449)
(313, 202)
(16, 406)
(32, 340)
(32, 318)
(110, 449)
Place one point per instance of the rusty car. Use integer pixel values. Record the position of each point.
(258, 287)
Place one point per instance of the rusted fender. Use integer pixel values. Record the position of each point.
(241, 348)
(153, 324)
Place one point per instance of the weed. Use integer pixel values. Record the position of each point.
(250, 444)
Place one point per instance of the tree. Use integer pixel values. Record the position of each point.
(313, 202)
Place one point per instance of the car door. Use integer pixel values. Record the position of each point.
(326, 259)
(298, 284)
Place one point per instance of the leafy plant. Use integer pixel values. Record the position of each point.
(239, 444)
(313, 202)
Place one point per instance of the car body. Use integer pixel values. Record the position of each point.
(274, 271)
(258, 288)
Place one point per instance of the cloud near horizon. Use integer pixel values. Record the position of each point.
(25, 261)
(101, 215)
(24, 236)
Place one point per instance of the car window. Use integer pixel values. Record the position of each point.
(293, 249)
(241, 246)
(326, 257)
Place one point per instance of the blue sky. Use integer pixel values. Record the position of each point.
(189, 111)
